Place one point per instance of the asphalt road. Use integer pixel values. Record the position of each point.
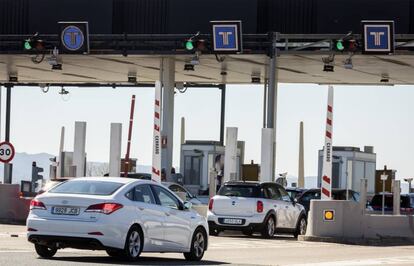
(228, 249)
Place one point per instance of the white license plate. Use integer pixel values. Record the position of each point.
(65, 210)
(232, 221)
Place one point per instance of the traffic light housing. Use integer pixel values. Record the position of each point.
(192, 45)
(347, 45)
(36, 174)
(33, 43)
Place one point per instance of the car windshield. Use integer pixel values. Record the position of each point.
(87, 187)
(240, 191)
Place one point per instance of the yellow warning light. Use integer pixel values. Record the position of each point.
(328, 215)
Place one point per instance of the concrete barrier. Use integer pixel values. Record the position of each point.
(351, 225)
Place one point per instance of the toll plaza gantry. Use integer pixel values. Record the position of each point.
(266, 56)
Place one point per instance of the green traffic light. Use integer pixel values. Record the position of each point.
(189, 45)
(339, 45)
(27, 45)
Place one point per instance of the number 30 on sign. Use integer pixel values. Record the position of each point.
(6, 152)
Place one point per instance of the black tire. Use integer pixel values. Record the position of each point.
(269, 227)
(115, 253)
(198, 246)
(45, 251)
(133, 243)
(300, 226)
(214, 232)
(247, 232)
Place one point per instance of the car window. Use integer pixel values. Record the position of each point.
(240, 191)
(143, 193)
(87, 187)
(272, 192)
(166, 198)
(284, 194)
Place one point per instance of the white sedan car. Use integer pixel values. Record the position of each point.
(120, 215)
(255, 207)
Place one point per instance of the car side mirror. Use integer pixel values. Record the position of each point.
(294, 201)
(187, 205)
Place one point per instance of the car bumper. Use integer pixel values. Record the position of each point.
(253, 223)
(97, 234)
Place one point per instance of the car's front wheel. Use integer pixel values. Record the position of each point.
(133, 243)
(198, 246)
(45, 251)
(301, 227)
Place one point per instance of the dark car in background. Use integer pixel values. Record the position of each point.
(315, 193)
(406, 207)
(295, 192)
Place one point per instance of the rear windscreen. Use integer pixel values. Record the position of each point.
(87, 187)
(240, 191)
(377, 201)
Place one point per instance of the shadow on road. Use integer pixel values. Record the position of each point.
(141, 261)
(256, 236)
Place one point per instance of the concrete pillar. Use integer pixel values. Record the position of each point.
(79, 148)
(182, 130)
(271, 111)
(230, 155)
(115, 149)
(397, 199)
(167, 77)
(363, 194)
(59, 172)
(301, 170)
(212, 184)
(267, 164)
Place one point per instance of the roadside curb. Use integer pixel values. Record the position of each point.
(381, 241)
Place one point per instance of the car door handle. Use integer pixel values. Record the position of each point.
(167, 213)
(141, 208)
(286, 206)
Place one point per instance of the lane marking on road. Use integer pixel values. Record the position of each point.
(364, 262)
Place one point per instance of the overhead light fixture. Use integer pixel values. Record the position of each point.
(256, 80)
(328, 63)
(385, 78)
(348, 63)
(189, 67)
(54, 60)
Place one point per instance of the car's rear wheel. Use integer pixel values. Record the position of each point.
(133, 243)
(198, 246)
(45, 251)
(269, 227)
(301, 227)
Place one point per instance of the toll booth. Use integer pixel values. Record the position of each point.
(349, 166)
(199, 158)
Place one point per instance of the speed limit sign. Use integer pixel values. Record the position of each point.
(6, 152)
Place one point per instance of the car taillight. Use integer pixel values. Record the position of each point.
(105, 208)
(210, 204)
(259, 206)
(36, 204)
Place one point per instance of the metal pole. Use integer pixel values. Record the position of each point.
(222, 112)
(265, 102)
(1, 88)
(131, 119)
(7, 166)
(383, 196)
(8, 107)
(272, 97)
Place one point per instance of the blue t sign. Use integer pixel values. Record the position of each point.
(378, 37)
(226, 36)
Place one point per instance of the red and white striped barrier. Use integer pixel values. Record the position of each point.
(156, 148)
(326, 188)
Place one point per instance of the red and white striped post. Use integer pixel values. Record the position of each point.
(326, 188)
(156, 151)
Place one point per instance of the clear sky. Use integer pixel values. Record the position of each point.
(371, 115)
